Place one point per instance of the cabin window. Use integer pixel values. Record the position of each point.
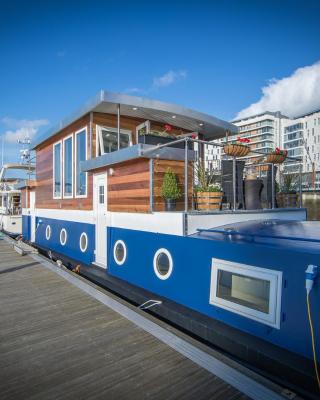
(108, 139)
(63, 236)
(162, 264)
(68, 167)
(101, 194)
(247, 290)
(48, 232)
(83, 242)
(57, 162)
(120, 252)
(81, 155)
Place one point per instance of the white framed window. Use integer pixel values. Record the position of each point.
(63, 236)
(162, 264)
(83, 242)
(57, 170)
(120, 252)
(108, 139)
(80, 155)
(68, 167)
(142, 129)
(48, 232)
(250, 291)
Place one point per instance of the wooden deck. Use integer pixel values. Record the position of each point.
(58, 342)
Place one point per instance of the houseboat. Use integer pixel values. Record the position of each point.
(10, 199)
(237, 278)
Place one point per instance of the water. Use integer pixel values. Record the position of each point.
(312, 203)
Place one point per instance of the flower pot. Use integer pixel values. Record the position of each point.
(236, 150)
(170, 204)
(209, 200)
(287, 200)
(275, 158)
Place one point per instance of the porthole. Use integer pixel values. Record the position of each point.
(120, 252)
(63, 236)
(162, 264)
(48, 232)
(83, 242)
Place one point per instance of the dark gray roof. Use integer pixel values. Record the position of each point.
(107, 102)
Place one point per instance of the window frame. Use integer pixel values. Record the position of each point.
(79, 196)
(53, 170)
(146, 124)
(120, 262)
(100, 128)
(273, 276)
(63, 243)
(72, 167)
(83, 250)
(155, 267)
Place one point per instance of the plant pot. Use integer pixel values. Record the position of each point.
(170, 204)
(275, 158)
(236, 150)
(287, 200)
(209, 200)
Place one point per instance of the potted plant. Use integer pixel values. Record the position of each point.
(287, 196)
(170, 190)
(208, 194)
(154, 137)
(277, 156)
(237, 148)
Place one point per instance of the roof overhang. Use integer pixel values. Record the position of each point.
(132, 106)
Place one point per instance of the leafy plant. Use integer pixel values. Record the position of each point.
(289, 183)
(205, 179)
(170, 189)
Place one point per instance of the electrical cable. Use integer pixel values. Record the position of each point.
(313, 343)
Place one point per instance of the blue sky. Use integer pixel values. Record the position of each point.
(213, 56)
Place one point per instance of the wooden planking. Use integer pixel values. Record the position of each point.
(160, 167)
(129, 187)
(57, 342)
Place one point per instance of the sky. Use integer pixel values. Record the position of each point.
(225, 58)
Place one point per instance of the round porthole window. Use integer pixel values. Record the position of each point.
(83, 242)
(162, 264)
(120, 252)
(48, 232)
(63, 237)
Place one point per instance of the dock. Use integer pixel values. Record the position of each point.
(63, 337)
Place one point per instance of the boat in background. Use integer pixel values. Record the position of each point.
(10, 199)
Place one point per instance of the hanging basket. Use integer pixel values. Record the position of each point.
(236, 150)
(275, 158)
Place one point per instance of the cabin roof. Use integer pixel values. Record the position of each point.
(148, 109)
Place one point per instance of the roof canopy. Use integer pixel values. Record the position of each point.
(148, 109)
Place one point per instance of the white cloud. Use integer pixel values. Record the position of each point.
(169, 78)
(294, 95)
(19, 129)
(166, 79)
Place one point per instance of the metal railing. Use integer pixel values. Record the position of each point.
(199, 147)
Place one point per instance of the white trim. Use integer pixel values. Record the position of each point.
(145, 124)
(53, 170)
(120, 262)
(85, 216)
(85, 128)
(99, 129)
(83, 234)
(48, 232)
(155, 267)
(272, 318)
(63, 242)
(72, 166)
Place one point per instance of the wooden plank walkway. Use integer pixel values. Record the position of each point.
(57, 342)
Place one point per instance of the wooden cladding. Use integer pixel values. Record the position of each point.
(129, 187)
(160, 167)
